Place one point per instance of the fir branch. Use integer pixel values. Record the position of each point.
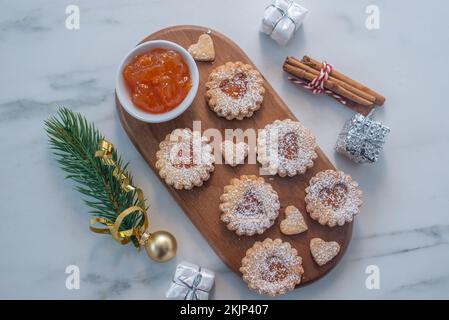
(74, 142)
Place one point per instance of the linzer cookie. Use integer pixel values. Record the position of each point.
(286, 148)
(333, 198)
(235, 90)
(249, 205)
(272, 267)
(184, 160)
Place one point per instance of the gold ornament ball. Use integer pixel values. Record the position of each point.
(161, 246)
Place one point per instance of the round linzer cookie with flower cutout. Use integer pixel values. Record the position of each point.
(272, 267)
(185, 159)
(235, 90)
(333, 198)
(249, 205)
(286, 148)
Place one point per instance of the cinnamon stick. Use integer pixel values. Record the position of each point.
(315, 64)
(328, 84)
(296, 62)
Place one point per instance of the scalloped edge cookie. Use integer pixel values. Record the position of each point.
(239, 107)
(261, 277)
(177, 170)
(233, 198)
(329, 207)
(269, 143)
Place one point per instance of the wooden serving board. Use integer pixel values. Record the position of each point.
(201, 204)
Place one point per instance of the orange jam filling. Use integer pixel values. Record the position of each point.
(184, 158)
(275, 270)
(236, 86)
(158, 80)
(334, 196)
(289, 146)
(250, 205)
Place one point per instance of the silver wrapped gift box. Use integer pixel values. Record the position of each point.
(281, 19)
(362, 139)
(191, 282)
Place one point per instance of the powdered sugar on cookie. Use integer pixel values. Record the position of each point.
(286, 148)
(322, 251)
(333, 198)
(203, 50)
(184, 159)
(234, 153)
(294, 222)
(272, 267)
(235, 90)
(249, 205)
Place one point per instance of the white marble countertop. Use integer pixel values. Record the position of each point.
(404, 225)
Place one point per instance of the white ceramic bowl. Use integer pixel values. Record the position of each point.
(123, 93)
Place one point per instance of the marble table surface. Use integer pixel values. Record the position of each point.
(403, 228)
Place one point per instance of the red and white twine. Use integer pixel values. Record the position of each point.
(317, 84)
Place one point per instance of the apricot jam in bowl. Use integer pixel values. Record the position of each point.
(157, 81)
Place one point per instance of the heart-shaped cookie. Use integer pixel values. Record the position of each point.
(323, 251)
(203, 50)
(294, 221)
(234, 153)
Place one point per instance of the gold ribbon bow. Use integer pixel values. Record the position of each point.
(105, 152)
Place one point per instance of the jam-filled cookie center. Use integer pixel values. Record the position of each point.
(275, 270)
(184, 157)
(236, 86)
(334, 196)
(289, 146)
(250, 205)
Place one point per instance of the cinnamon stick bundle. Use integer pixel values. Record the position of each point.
(309, 68)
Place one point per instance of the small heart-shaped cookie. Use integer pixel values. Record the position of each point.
(234, 153)
(322, 251)
(294, 221)
(203, 50)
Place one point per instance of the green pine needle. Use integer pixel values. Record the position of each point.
(74, 142)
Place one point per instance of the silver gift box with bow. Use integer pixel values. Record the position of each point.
(281, 19)
(362, 139)
(191, 282)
